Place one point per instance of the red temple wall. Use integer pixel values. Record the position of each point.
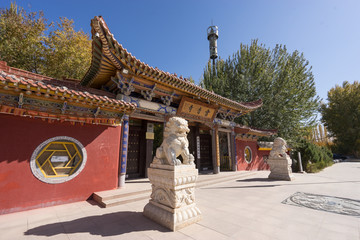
(257, 162)
(21, 190)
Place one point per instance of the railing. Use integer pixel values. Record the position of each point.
(225, 163)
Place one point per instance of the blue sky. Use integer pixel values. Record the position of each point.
(171, 35)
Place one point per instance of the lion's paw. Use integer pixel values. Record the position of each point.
(177, 162)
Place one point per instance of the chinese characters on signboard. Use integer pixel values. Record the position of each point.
(195, 109)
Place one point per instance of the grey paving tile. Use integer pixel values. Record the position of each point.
(192, 229)
(207, 233)
(326, 234)
(50, 230)
(34, 221)
(244, 209)
(341, 228)
(12, 233)
(157, 235)
(250, 234)
(56, 237)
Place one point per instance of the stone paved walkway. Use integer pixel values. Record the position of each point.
(249, 207)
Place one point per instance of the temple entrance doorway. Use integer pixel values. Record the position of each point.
(135, 163)
(205, 151)
(158, 137)
(224, 148)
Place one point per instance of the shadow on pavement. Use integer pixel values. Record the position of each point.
(253, 186)
(111, 224)
(145, 181)
(257, 180)
(281, 183)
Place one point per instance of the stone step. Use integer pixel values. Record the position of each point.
(137, 191)
(215, 180)
(128, 199)
(117, 193)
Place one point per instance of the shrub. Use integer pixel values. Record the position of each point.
(314, 158)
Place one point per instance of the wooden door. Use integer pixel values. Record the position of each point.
(133, 160)
(205, 152)
(225, 161)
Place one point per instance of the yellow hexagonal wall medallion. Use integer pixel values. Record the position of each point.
(58, 159)
(247, 154)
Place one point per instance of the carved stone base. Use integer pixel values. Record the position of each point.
(172, 202)
(280, 168)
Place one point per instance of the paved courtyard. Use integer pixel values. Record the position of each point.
(250, 207)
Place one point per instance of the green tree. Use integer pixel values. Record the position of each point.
(68, 52)
(63, 52)
(22, 38)
(282, 80)
(341, 116)
(314, 157)
(191, 79)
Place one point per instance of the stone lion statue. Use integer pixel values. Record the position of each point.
(175, 143)
(279, 161)
(279, 148)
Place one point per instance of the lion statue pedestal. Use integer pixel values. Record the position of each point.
(279, 161)
(172, 202)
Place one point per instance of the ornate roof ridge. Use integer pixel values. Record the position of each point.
(22, 73)
(112, 49)
(256, 131)
(264, 130)
(45, 88)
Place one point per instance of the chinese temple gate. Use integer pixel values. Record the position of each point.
(159, 95)
(94, 133)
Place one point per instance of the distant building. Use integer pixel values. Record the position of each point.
(62, 140)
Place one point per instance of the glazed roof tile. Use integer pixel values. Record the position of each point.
(15, 79)
(116, 52)
(254, 131)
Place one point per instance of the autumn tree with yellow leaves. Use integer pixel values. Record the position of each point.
(29, 42)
